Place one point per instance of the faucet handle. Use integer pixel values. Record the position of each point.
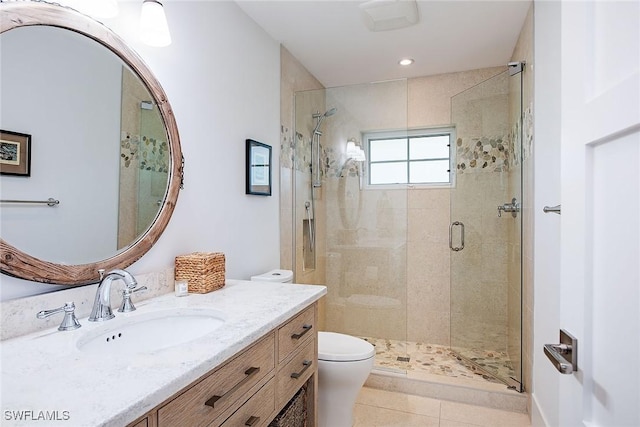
(69, 322)
(127, 305)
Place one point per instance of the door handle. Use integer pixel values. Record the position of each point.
(552, 209)
(457, 248)
(564, 356)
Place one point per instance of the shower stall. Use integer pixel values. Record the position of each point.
(407, 199)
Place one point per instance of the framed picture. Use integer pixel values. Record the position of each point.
(258, 168)
(15, 153)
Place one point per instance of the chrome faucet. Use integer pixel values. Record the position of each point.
(101, 310)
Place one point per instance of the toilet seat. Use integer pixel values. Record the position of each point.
(334, 347)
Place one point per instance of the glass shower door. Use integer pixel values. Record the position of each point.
(485, 229)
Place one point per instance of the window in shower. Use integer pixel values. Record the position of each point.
(420, 156)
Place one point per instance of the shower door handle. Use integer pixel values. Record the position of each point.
(457, 248)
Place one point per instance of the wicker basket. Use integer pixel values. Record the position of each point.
(294, 413)
(203, 271)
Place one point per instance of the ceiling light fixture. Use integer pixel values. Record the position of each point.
(405, 62)
(154, 30)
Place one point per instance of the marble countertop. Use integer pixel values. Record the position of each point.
(46, 380)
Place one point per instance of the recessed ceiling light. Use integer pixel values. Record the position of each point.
(405, 62)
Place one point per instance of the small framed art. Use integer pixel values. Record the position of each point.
(258, 168)
(15, 153)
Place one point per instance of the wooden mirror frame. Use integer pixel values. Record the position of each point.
(13, 261)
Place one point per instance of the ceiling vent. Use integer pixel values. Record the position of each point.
(385, 15)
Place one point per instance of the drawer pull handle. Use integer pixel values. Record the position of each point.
(306, 328)
(306, 364)
(249, 373)
(252, 420)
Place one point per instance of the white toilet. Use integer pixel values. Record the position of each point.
(344, 363)
(280, 276)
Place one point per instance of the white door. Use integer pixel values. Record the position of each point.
(600, 223)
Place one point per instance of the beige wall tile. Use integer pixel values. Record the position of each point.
(430, 97)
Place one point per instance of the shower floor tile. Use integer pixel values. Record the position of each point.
(438, 360)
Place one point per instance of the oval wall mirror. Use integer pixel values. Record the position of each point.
(86, 116)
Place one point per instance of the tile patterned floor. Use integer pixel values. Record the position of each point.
(379, 408)
(440, 360)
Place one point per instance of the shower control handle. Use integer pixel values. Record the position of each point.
(513, 207)
(456, 248)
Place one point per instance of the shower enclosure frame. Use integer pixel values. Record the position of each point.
(316, 153)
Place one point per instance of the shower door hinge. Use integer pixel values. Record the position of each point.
(515, 67)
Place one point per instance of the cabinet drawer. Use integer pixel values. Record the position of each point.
(141, 423)
(208, 399)
(296, 372)
(295, 332)
(257, 411)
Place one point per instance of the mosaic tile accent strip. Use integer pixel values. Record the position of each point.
(527, 145)
(286, 148)
(145, 152)
(485, 154)
(295, 153)
(439, 360)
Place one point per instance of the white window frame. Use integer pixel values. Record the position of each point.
(399, 134)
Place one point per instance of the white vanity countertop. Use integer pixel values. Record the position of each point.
(45, 375)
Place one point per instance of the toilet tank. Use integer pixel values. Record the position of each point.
(280, 276)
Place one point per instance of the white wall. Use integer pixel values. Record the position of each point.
(222, 78)
(545, 410)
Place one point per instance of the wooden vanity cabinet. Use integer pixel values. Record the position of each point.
(252, 387)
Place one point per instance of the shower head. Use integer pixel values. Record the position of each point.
(329, 112)
(320, 117)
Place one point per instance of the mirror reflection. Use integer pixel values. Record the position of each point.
(98, 145)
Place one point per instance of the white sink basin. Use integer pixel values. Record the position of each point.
(149, 332)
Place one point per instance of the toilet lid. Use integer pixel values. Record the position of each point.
(343, 348)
